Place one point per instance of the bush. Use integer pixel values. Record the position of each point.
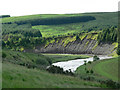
(88, 78)
(4, 55)
(112, 84)
(77, 37)
(95, 58)
(42, 62)
(87, 71)
(85, 62)
(56, 69)
(89, 62)
(91, 71)
(118, 50)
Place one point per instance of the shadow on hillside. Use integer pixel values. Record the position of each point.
(57, 21)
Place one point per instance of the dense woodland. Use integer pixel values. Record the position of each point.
(19, 36)
(108, 35)
(118, 49)
(24, 30)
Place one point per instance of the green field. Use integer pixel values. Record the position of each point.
(65, 57)
(59, 26)
(108, 68)
(0, 75)
(56, 30)
(30, 60)
(15, 76)
(38, 16)
(105, 69)
(103, 20)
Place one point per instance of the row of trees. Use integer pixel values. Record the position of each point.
(25, 30)
(18, 37)
(108, 35)
(59, 70)
(118, 49)
(4, 16)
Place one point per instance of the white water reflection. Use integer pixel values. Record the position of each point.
(74, 64)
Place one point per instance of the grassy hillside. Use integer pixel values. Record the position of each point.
(102, 20)
(19, 76)
(59, 24)
(65, 57)
(29, 60)
(108, 68)
(103, 70)
(29, 17)
(15, 76)
(28, 32)
(0, 75)
(18, 72)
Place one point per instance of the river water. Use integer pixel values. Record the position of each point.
(74, 64)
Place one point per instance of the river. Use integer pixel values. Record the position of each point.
(74, 64)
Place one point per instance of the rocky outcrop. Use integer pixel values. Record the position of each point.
(85, 46)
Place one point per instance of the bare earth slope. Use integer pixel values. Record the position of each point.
(85, 46)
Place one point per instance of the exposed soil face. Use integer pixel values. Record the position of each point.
(85, 46)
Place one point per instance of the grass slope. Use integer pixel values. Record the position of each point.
(26, 59)
(31, 17)
(64, 57)
(0, 74)
(15, 76)
(108, 68)
(103, 70)
(102, 20)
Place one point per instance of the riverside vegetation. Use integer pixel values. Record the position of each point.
(25, 37)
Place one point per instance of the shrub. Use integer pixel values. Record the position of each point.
(85, 62)
(91, 71)
(4, 55)
(95, 58)
(56, 69)
(87, 71)
(42, 62)
(89, 62)
(89, 78)
(118, 50)
(112, 84)
(77, 37)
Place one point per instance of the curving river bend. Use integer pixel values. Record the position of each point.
(74, 64)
